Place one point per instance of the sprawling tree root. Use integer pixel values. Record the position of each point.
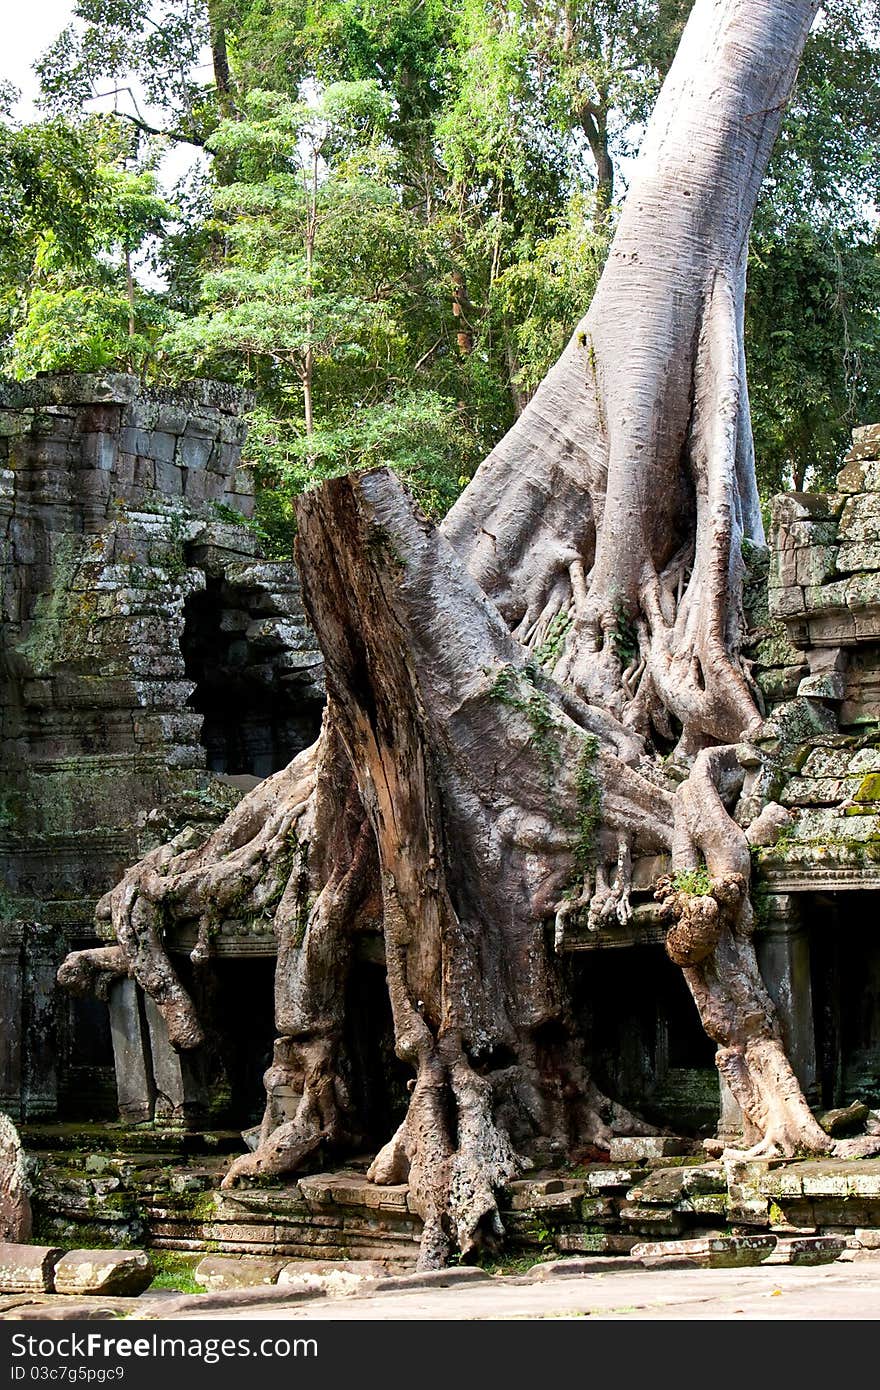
(711, 938)
(468, 772)
(244, 868)
(500, 696)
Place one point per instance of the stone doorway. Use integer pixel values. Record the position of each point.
(844, 936)
(258, 708)
(643, 1035)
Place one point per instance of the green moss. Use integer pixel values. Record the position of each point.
(550, 650)
(588, 806)
(204, 1207)
(869, 789)
(61, 617)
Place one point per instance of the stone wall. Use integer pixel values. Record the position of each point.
(813, 650)
(123, 538)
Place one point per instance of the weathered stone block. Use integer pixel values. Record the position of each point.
(815, 564)
(713, 1252)
(610, 1179)
(868, 1237)
(849, 1119)
(169, 480)
(860, 518)
(28, 1268)
(788, 602)
(637, 1148)
(335, 1278)
(667, 1186)
(194, 451)
(98, 451)
(827, 686)
(858, 556)
(238, 1272)
(651, 1220)
(808, 1250)
(122, 1272)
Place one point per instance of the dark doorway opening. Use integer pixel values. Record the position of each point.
(645, 1044)
(378, 1077)
(259, 712)
(845, 978)
(235, 999)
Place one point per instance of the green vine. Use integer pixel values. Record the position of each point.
(624, 637)
(517, 689)
(550, 650)
(588, 806)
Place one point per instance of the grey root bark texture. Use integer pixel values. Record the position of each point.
(520, 702)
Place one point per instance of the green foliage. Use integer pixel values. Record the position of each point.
(588, 806)
(516, 688)
(696, 882)
(550, 650)
(71, 300)
(175, 1272)
(407, 209)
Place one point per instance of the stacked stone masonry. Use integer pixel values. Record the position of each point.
(125, 548)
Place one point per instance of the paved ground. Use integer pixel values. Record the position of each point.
(828, 1292)
(835, 1292)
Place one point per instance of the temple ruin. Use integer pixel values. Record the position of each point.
(155, 664)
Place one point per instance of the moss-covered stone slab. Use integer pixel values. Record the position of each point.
(713, 1252)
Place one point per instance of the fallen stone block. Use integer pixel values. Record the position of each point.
(808, 1250)
(712, 1252)
(638, 1148)
(844, 1120)
(599, 1264)
(666, 1186)
(220, 1272)
(123, 1272)
(336, 1278)
(868, 1237)
(28, 1268)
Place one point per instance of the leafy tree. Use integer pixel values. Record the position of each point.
(316, 298)
(144, 54)
(72, 297)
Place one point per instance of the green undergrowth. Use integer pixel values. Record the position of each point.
(174, 1271)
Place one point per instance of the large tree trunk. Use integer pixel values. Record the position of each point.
(501, 695)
